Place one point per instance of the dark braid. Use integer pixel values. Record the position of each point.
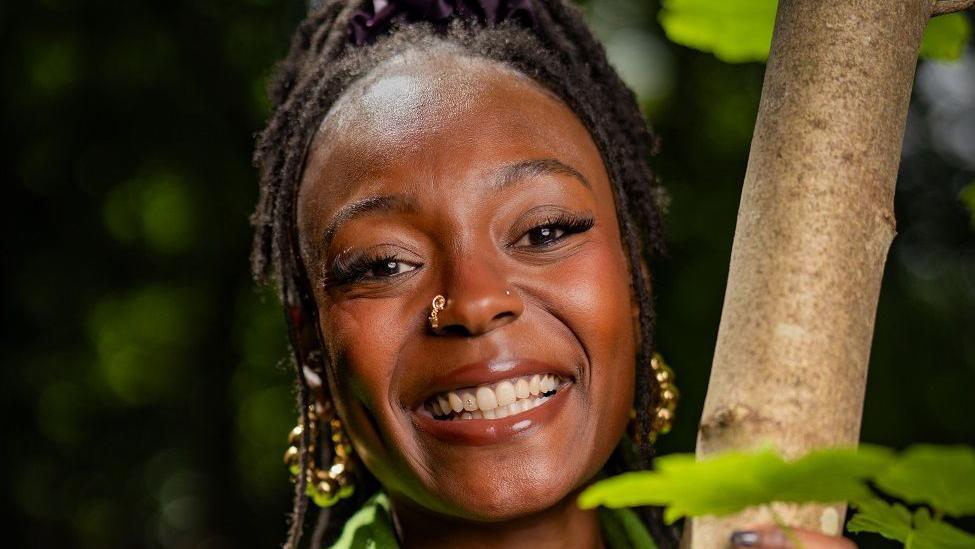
(562, 55)
(300, 501)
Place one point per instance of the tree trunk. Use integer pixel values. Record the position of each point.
(814, 227)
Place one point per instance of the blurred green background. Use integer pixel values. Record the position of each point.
(144, 390)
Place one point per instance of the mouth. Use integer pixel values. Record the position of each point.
(494, 402)
(508, 398)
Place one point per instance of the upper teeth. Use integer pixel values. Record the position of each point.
(506, 398)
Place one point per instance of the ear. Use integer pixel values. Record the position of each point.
(308, 352)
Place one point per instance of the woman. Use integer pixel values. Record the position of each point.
(457, 210)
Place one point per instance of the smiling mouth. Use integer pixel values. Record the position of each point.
(495, 400)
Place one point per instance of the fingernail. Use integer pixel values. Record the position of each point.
(745, 538)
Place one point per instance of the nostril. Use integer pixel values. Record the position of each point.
(504, 316)
(455, 329)
(462, 329)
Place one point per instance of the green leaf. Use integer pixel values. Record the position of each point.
(940, 476)
(895, 522)
(735, 480)
(936, 534)
(878, 517)
(623, 528)
(733, 30)
(945, 37)
(738, 31)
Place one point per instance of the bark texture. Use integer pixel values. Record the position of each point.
(814, 227)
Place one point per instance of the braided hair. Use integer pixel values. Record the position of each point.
(561, 54)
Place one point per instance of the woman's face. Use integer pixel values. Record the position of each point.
(442, 174)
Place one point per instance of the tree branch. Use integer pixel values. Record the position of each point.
(942, 7)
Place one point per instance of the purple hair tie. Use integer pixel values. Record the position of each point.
(366, 26)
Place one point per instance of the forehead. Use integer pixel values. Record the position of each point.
(434, 121)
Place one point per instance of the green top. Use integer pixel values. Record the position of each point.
(371, 527)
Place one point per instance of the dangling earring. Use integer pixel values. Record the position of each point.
(325, 486)
(663, 412)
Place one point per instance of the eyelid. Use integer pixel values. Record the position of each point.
(341, 270)
(353, 252)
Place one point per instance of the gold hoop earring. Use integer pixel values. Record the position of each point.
(667, 398)
(439, 303)
(324, 486)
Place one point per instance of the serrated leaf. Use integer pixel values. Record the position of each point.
(878, 517)
(739, 31)
(895, 522)
(945, 37)
(940, 476)
(935, 534)
(736, 480)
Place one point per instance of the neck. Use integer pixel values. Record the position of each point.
(564, 525)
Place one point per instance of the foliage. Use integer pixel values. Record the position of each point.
(895, 522)
(737, 480)
(942, 477)
(945, 37)
(892, 521)
(737, 31)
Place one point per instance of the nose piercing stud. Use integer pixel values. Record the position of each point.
(438, 305)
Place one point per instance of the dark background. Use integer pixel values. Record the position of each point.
(144, 394)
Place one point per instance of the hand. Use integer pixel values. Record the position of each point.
(772, 537)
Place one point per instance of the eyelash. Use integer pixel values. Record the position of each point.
(568, 223)
(354, 269)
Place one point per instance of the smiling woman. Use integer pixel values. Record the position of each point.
(457, 211)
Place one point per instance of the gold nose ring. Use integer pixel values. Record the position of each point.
(439, 302)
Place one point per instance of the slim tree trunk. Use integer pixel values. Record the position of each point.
(814, 227)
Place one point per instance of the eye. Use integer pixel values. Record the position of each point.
(554, 230)
(365, 267)
(542, 235)
(388, 267)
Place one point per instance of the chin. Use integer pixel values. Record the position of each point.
(510, 489)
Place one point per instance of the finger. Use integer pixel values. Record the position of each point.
(772, 537)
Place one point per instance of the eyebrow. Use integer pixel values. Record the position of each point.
(515, 173)
(506, 177)
(359, 208)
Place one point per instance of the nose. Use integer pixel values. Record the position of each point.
(478, 300)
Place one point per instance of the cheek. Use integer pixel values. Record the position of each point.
(363, 340)
(596, 304)
(597, 293)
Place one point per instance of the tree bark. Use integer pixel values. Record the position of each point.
(814, 227)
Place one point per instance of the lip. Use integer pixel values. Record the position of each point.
(481, 432)
(485, 372)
